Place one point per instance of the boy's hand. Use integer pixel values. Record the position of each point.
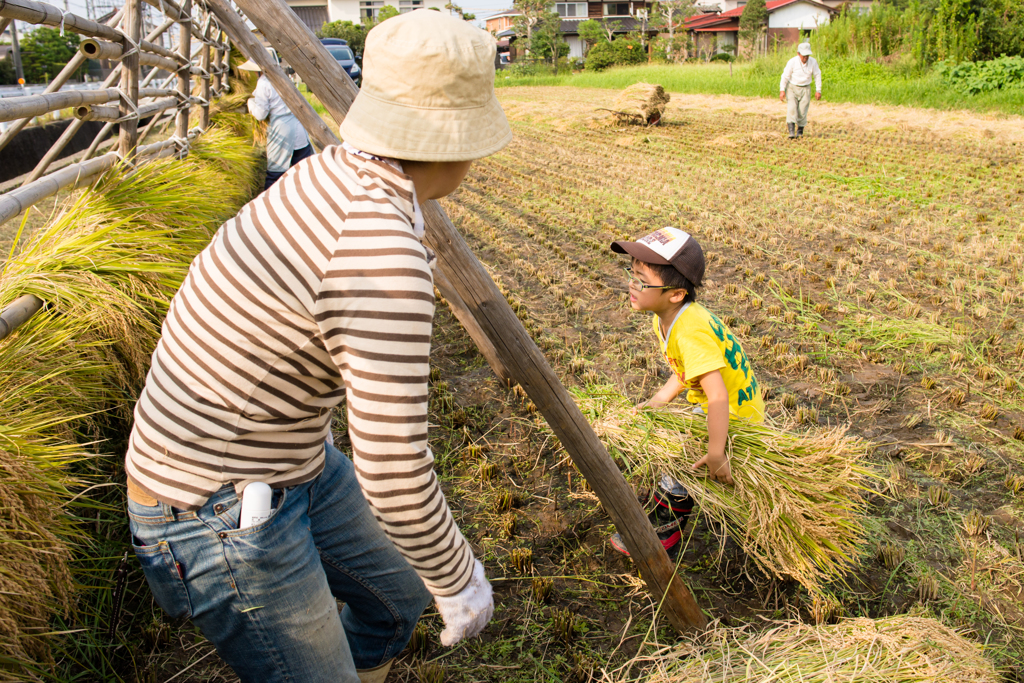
(718, 467)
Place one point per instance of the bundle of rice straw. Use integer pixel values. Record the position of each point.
(795, 507)
(899, 649)
(641, 104)
(107, 264)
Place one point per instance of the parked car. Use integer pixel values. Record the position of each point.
(340, 50)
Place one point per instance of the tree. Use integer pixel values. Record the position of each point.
(753, 24)
(611, 28)
(591, 33)
(354, 34)
(44, 52)
(547, 42)
(670, 15)
(455, 9)
(531, 12)
(385, 13)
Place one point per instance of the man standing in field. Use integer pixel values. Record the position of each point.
(796, 85)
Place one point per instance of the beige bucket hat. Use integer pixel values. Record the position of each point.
(428, 91)
(249, 65)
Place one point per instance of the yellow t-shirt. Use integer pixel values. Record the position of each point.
(698, 343)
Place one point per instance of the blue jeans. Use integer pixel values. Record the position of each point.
(265, 596)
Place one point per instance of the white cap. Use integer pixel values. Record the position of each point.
(804, 49)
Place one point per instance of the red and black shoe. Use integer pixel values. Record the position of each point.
(672, 506)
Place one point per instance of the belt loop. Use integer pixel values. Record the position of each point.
(168, 512)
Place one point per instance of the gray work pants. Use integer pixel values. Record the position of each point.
(798, 101)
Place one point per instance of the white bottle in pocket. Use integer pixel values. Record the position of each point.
(256, 498)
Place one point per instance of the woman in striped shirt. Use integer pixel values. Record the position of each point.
(319, 290)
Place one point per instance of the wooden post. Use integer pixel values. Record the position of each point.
(204, 64)
(185, 50)
(498, 325)
(129, 125)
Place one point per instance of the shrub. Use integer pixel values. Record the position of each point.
(723, 57)
(600, 57)
(977, 77)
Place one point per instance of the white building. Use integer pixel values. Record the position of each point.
(314, 13)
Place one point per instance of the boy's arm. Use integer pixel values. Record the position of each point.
(666, 394)
(718, 427)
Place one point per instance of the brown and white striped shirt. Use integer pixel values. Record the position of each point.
(317, 290)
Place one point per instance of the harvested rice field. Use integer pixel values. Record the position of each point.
(874, 275)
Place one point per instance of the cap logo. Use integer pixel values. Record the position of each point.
(666, 242)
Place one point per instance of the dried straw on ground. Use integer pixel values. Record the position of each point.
(641, 104)
(796, 506)
(900, 649)
(107, 265)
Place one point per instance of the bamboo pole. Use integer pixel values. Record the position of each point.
(204, 66)
(16, 201)
(42, 13)
(94, 48)
(90, 112)
(128, 137)
(185, 50)
(56, 84)
(35, 105)
(19, 310)
(524, 361)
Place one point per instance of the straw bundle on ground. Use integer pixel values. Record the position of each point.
(107, 266)
(641, 104)
(796, 505)
(900, 649)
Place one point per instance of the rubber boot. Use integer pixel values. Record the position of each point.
(672, 505)
(800, 132)
(792, 129)
(377, 674)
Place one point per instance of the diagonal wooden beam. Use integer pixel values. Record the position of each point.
(496, 325)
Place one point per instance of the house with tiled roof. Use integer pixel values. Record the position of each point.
(623, 17)
(715, 30)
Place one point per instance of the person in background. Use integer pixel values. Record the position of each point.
(795, 88)
(287, 142)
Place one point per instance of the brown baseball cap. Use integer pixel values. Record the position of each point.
(668, 247)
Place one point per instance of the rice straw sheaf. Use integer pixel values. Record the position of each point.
(641, 104)
(106, 265)
(45, 379)
(796, 507)
(898, 649)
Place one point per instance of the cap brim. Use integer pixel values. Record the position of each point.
(639, 252)
(391, 130)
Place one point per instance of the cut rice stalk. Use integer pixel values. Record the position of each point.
(899, 649)
(797, 502)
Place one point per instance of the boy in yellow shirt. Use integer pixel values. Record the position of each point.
(707, 362)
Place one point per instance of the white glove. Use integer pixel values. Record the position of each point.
(466, 613)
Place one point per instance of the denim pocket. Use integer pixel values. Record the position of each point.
(165, 577)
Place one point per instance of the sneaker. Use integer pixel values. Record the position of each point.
(671, 507)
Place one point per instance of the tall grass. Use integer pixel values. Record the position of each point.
(107, 266)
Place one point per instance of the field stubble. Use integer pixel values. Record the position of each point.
(874, 278)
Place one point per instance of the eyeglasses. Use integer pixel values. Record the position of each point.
(637, 283)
